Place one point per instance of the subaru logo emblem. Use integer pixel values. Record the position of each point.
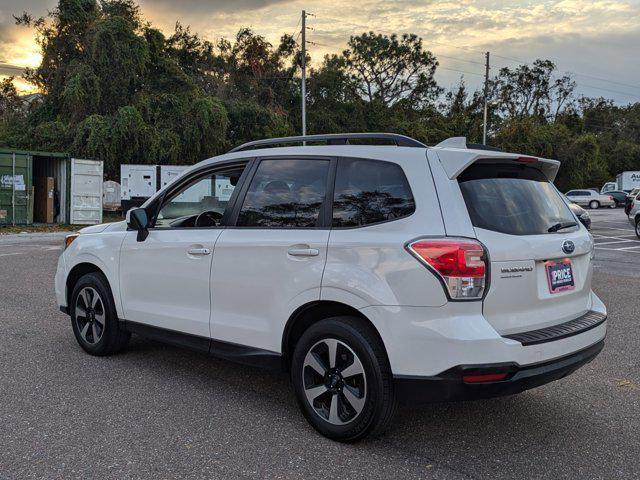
(568, 246)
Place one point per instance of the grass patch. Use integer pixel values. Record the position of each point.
(108, 217)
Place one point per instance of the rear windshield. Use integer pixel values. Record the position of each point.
(513, 199)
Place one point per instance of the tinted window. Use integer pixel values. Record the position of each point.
(370, 191)
(200, 203)
(285, 193)
(513, 199)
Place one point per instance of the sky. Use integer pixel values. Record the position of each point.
(596, 41)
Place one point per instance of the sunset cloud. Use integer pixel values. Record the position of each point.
(596, 39)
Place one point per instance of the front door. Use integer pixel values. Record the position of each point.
(271, 258)
(164, 279)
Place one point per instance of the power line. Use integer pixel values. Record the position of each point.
(604, 80)
(469, 49)
(610, 90)
(459, 59)
(461, 71)
(521, 61)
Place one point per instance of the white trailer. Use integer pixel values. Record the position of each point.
(168, 173)
(627, 181)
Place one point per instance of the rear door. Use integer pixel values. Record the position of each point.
(270, 259)
(540, 269)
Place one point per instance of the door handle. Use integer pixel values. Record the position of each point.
(199, 251)
(303, 252)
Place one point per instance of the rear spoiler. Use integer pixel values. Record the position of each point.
(456, 158)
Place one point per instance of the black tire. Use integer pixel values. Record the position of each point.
(638, 226)
(375, 384)
(594, 204)
(110, 337)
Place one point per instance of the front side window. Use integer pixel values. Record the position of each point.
(285, 193)
(370, 191)
(200, 203)
(513, 199)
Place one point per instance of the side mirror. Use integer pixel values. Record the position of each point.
(137, 219)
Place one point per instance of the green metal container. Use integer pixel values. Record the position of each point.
(16, 182)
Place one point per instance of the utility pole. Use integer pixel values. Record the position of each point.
(304, 73)
(486, 98)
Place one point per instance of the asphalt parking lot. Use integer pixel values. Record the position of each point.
(160, 412)
(617, 246)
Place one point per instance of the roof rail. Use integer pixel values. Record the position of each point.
(461, 142)
(333, 139)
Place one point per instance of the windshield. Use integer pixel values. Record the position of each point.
(514, 199)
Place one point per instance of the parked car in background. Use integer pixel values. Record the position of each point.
(634, 215)
(369, 272)
(582, 215)
(630, 198)
(591, 199)
(619, 197)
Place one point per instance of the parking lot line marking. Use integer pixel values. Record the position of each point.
(607, 237)
(12, 253)
(612, 228)
(617, 241)
(616, 250)
(626, 249)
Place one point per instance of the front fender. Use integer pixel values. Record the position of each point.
(101, 250)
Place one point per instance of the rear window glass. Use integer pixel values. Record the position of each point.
(370, 191)
(512, 199)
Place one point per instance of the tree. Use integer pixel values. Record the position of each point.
(531, 90)
(113, 87)
(389, 69)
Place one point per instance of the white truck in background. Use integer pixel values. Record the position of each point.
(625, 181)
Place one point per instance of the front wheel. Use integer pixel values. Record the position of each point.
(342, 379)
(594, 204)
(638, 227)
(93, 316)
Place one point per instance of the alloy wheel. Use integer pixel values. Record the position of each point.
(334, 381)
(90, 315)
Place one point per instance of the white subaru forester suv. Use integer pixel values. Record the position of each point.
(371, 273)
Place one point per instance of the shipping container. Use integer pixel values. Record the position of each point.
(69, 177)
(16, 184)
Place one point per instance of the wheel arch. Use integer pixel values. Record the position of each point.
(309, 314)
(77, 272)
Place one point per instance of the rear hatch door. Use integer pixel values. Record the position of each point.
(539, 253)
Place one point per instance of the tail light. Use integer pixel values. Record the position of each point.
(610, 198)
(459, 262)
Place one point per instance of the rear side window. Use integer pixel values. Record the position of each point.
(512, 199)
(285, 193)
(370, 191)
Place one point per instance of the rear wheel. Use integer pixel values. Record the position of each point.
(93, 316)
(594, 204)
(342, 379)
(638, 227)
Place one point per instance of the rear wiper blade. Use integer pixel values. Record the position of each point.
(561, 226)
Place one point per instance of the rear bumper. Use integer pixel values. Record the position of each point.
(449, 385)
